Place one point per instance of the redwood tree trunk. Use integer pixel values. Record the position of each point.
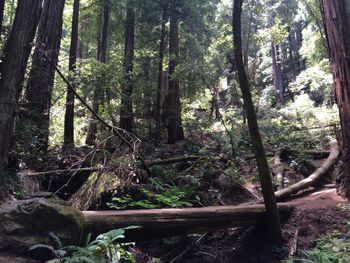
(126, 111)
(175, 130)
(337, 22)
(263, 167)
(12, 70)
(102, 57)
(41, 76)
(277, 74)
(69, 116)
(157, 112)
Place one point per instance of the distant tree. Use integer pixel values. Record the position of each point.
(157, 111)
(175, 129)
(2, 7)
(102, 57)
(12, 70)
(126, 111)
(41, 76)
(336, 16)
(69, 115)
(263, 167)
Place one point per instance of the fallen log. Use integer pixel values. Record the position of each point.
(314, 177)
(175, 160)
(278, 169)
(158, 223)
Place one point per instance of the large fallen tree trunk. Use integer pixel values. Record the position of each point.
(175, 160)
(157, 223)
(314, 177)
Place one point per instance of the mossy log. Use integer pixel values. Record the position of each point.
(314, 177)
(157, 223)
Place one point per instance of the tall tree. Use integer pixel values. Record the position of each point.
(2, 9)
(175, 130)
(126, 111)
(101, 57)
(277, 73)
(12, 70)
(263, 167)
(69, 115)
(157, 112)
(337, 22)
(41, 76)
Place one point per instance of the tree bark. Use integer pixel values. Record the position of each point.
(12, 70)
(41, 76)
(263, 167)
(277, 74)
(126, 111)
(2, 7)
(336, 15)
(98, 91)
(175, 129)
(69, 115)
(170, 222)
(157, 112)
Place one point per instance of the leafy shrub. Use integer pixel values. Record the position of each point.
(104, 249)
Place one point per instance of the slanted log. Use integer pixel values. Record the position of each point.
(314, 177)
(175, 160)
(157, 223)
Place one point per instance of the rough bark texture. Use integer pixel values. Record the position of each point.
(263, 167)
(102, 57)
(126, 111)
(314, 177)
(12, 70)
(175, 130)
(69, 115)
(41, 76)
(337, 22)
(168, 222)
(157, 111)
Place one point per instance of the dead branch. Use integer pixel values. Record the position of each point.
(90, 169)
(120, 133)
(314, 177)
(175, 160)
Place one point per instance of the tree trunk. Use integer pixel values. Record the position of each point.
(263, 167)
(98, 91)
(12, 70)
(41, 75)
(2, 7)
(336, 16)
(277, 74)
(157, 112)
(126, 111)
(69, 115)
(175, 130)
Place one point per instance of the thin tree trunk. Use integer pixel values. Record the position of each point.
(98, 91)
(277, 74)
(175, 130)
(157, 112)
(126, 111)
(263, 167)
(336, 16)
(41, 76)
(69, 115)
(2, 7)
(12, 70)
